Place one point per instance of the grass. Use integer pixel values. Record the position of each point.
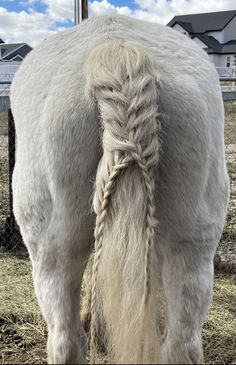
(219, 337)
(3, 123)
(229, 233)
(23, 331)
(230, 122)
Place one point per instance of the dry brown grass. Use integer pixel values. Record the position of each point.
(23, 331)
(3, 124)
(219, 336)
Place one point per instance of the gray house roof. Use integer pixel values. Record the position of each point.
(213, 46)
(197, 25)
(202, 23)
(12, 50)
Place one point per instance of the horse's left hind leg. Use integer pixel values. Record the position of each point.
(58, 269)
(187, 279)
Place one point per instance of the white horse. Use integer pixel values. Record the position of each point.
(152, 96)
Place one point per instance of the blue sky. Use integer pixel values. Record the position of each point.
(22, 5)
(130, 4)
(31, 21)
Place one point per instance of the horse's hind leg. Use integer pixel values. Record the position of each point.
(187, 279)
(57, 273)
(57, 234)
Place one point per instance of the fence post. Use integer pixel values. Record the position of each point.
(80, 10)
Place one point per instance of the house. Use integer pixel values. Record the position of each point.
(13, 52)
(214, 32)
(11, 56)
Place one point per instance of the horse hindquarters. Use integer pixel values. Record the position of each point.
(58, 242)
(51, 203)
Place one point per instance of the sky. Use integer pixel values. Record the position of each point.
(31, 21)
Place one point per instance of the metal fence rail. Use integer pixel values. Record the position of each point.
(226, 72)
(9, 234)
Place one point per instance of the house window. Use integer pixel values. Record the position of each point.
(228, 61)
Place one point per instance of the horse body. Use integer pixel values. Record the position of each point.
(57, 157)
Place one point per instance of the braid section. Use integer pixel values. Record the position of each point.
(120, 76)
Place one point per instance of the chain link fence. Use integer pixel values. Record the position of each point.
(10, 237)
(225, 259)
(9, 234)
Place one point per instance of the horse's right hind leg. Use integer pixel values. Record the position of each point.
(187, 280)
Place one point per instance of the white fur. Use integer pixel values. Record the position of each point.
(57, 156)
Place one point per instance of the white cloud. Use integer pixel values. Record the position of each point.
(104, 7)
(163, 11)
(60, 10)
(32, 26)
(25, 27)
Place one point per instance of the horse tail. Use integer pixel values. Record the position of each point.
(121, 78)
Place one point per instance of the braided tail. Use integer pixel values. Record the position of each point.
(120, 77)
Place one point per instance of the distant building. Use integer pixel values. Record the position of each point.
(214, 32)
(11, 56)
(13, 52)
